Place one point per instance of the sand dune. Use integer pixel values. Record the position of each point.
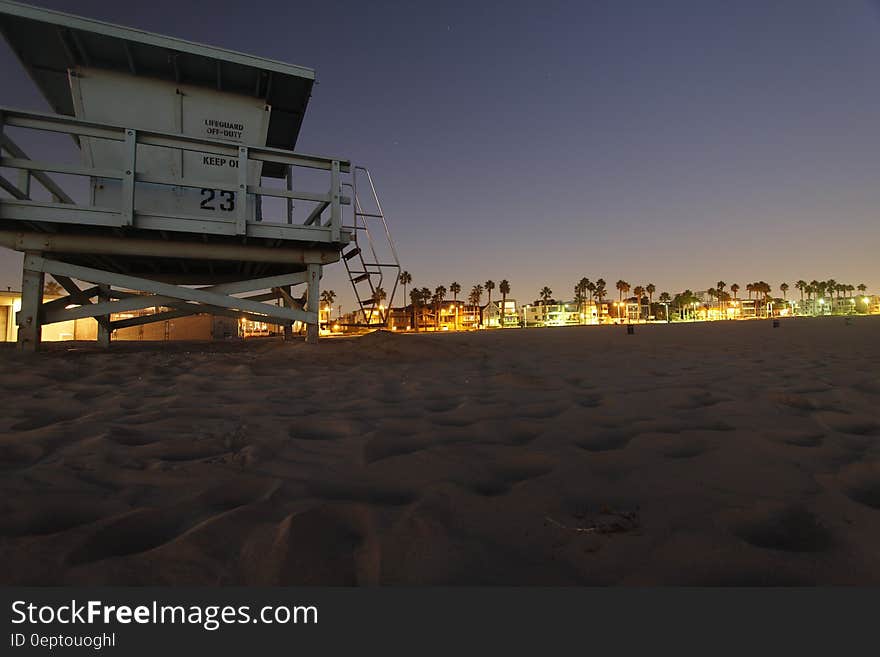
(716, 454)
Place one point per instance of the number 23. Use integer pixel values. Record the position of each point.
(208, 196)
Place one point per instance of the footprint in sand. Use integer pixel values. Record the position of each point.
(360, 488)
(593, 400)
(859, 427)
(51, 517)
(442, 405)
(686, 448)
(130, 437)
(541, 410)
(385, 444)
(507, 471)
(861, 483)
(703, 399)
(328, 545)
(796, 438)
(788, 529)
(326, 429)
(19, 455)
(795, 402)
(130, 533)
(608, 440)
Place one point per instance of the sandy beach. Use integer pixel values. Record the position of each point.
(725, 453)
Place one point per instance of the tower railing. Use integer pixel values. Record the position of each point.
(323, 224)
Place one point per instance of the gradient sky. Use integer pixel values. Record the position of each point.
(677, 143)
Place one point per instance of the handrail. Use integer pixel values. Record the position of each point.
(116, 132)
(129, 175)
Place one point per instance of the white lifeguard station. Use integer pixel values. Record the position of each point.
(179, 143)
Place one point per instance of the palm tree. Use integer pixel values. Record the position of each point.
(784, 288)
(814, 290)
(327, 298)
(580, 297)
(600, 295)
(546, 294)
(580, 293)
(504, 288)
(622, 288)
(455, 288)
(439, 297)
(765, 289)
(735, 289)
(665, 299)
(801, 286)
(831, 287)
(639, 291)
(415, 297)
(650, 288)
(720, 285)
(684, 301)
(475, 297)
(861, 287)
(424, 299)
(489, 285)
(404, 279)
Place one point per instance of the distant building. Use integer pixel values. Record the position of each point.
(192, 327)
(551, 314)
(494, 316)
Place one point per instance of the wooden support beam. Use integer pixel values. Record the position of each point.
(28, 318)
(132, 302)
(208, 297)
(10, 188)
(312, 303)
(316, 213)
(335, 202)
(80, 298)
(288, 303)
(47, 182)
(103, 320)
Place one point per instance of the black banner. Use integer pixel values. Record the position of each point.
(238, 621)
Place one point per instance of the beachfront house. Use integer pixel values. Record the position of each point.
(496, 317)
(550, 314)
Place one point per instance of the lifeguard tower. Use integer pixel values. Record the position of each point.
(181, 145)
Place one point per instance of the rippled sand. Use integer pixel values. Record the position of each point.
(724, 453)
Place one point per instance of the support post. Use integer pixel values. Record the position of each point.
(28, 318)
(313, 302)
(335, 202)
(241, 195)
(288, 179)
(288, 328)
(128, 180)
(103, 320)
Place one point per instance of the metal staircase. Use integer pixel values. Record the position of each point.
(371, 261)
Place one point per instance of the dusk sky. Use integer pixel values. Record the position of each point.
(678, 143)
